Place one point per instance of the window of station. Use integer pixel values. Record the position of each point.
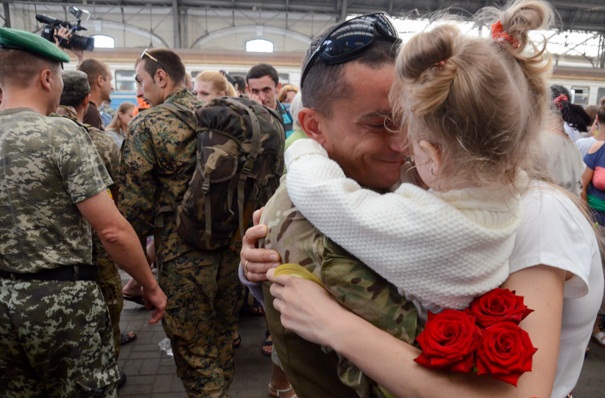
(600, 94)
(259, 46)
(580, 95)
(104, 41)
(124, 80)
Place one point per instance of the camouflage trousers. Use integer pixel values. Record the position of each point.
(55, 341)
(204, 295)
(111, 286)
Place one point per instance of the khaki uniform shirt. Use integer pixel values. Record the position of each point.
(48, 165)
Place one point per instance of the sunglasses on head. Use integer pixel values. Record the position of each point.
(350, 39)
(151, 57)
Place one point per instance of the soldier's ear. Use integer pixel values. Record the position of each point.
(161, 78)
(86, 101)
(46, 79)
(309, 120)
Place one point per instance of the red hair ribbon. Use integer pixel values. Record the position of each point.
(499, 35)
(562, 98)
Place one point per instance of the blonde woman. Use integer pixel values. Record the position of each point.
(287, 93)
(211, 84)
(118, 126)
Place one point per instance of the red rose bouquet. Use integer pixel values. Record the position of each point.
(484, 339)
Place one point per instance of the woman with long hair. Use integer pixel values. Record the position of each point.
(118, 126)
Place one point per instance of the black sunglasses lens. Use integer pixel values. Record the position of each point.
(385, 27)
(351, 38)
(335, 49)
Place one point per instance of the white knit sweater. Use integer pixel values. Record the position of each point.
(441, 249)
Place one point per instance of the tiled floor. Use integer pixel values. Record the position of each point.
(151, 373)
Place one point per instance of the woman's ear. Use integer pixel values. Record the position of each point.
(434, 153)
(309, 120)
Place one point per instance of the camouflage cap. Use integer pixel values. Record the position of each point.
(75, 87)
(13, 39)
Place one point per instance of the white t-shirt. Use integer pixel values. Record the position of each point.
(562, 161)
(567, 242)
(584, 144)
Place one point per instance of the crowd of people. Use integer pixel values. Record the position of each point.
(412, 186)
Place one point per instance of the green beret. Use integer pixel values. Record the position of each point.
(14, 39)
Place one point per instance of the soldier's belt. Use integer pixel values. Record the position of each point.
(68, 273)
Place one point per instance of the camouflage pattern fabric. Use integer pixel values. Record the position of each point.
(107, 150)
(204, 296)
(158, 158)
(55, 341)
(49, 165)
(55, 337)
(240, 160)
(316, 373)
(110, 283)
(109, 280)
(109, 277)
(107, 109)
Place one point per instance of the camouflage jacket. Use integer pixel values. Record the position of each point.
(50, 165)
(107, 150)
(103, 143)
(352, 283)
(158, 159)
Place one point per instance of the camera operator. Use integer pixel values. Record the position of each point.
(71, 40)
(63, 37)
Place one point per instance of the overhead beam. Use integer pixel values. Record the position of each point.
(7, 14)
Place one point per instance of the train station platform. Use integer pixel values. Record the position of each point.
(152, 373)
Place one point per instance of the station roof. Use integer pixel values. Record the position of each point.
(582, 15)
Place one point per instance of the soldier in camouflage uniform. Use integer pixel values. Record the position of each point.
(55, 332)
(310, 370)
(158, 159)
(362, 138)
(74, 102)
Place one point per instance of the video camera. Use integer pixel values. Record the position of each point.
(76, 41)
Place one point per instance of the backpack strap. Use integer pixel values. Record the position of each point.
(182, 112)
(250, 160)
(187, 116)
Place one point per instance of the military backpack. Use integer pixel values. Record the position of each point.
(239, 162)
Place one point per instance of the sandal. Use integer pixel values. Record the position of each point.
(267, 347)
(127, 337)
(281, 393)
(237, 341)
(599, 337)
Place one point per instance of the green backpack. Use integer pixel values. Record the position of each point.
(240, 152)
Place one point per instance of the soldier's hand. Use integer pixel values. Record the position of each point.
(256, 261)
(255, 98)
(155, 298)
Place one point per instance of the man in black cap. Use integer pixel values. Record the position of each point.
(55, 334)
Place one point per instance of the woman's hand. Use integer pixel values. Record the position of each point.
(307, 308)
